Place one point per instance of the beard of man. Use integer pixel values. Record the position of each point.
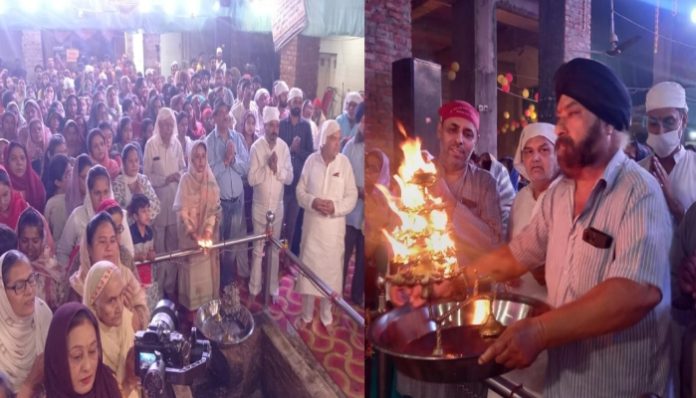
(573, 157)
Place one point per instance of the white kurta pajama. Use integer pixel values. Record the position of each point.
(268, 195)
(682, 177)
(322, 246)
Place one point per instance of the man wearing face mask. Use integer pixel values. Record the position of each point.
(672, 165)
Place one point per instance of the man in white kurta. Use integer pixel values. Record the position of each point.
(672, 165)
(163, 163)
(327, 192)
(270, 170)
(675, 170)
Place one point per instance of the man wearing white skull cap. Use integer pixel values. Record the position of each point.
(270, 170)
(675, 169)
(672, 165)
(280, 98)
(327, 192)
(347, 119)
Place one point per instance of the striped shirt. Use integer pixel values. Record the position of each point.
(627, 204)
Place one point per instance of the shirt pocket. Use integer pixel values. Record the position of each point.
(157, 166)
(589, 266)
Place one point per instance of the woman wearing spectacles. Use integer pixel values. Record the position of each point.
(24, 324)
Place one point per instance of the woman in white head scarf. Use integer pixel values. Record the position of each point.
(198, 204)
(103, 290)
(24, 322)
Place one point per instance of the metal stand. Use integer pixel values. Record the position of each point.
(270, 241)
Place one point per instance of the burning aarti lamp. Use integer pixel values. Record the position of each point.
(442, 340)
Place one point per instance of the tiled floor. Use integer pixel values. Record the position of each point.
(340, 349)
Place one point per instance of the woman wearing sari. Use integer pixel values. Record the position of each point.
(100, 243)
(34, 241)
(24, 178)
(131, 181)
(103, 296)
(99, 152)
(197, 203)
(12, 204)
(25, 324)
(37, 143)
(32, 111)
(73, 366)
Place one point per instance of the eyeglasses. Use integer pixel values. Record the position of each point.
(668, 123)
(21, 286)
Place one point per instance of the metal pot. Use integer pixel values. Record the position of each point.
(225, 329)
(407, 336)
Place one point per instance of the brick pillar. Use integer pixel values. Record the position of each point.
(568, 23)
(299, 64)
(387, 39)
(473, 46)
(32, 50)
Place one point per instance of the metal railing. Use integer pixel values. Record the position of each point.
(324, 288)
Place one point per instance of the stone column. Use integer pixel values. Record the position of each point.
(564, 29)
(474, 48)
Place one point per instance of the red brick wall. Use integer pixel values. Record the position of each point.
(387, 39)
(299, 64)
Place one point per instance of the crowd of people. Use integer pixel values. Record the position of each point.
(603, 229)
(102, 168)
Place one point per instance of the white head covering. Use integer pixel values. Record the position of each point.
(175, 63)
(280, 87)
(68, 84)
(295, 93)
(165, 114)
(352, 96)
(197, 191)
(116, 340)
(218, 50)
(666, 95)
(270, 113)
(21, 339)
(532, 130)
(260, 92)
(329, 128)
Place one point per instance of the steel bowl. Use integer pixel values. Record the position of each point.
(407, 336)
(222, 328)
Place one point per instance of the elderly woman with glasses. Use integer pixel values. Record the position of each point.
(24, 322)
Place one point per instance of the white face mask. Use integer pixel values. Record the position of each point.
(664, 144)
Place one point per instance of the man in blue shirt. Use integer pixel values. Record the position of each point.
(355, 239)
(229, 160)
(297, 133)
